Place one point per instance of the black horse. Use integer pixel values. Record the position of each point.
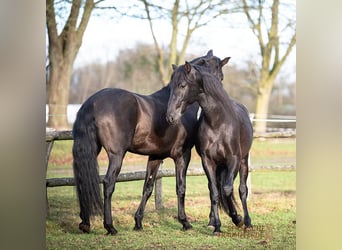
(224, 137)
(121, 121)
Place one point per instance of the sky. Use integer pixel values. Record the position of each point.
(105, 37)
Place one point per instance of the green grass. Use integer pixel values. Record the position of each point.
(272, 207)
(273, 152)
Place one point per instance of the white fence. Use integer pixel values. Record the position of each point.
(71, 112)
(73, 108)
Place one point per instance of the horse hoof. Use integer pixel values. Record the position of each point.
(110, 230)
(187, 227)
(238, 221)
(218, 233)
(210, 226)
(136, 228)
(84, 228)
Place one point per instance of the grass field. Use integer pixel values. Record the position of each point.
(272, 208)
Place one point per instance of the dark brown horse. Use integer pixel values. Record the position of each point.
(224, 137)
(121, 121)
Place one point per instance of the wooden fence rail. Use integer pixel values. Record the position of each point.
(52, 135)
(123, 177)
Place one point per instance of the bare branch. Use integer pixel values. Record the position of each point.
(89, 5)
(159, 51)
(99, 1)
(277, 67)
(256, 28)
(72, 19)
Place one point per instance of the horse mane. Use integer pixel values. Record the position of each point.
(182, 76)
(213, 86)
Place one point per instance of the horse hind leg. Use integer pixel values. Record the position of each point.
(151, 173)
(236, 218)
(228, 190)
(84, 226)
(243, 190)
(115, 162)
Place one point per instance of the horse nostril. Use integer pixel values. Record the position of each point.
(170, 119)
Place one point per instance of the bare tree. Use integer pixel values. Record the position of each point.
(63, 48)
(188, 16)
(265, 23)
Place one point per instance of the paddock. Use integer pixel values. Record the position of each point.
(272, 200)
(272, 204)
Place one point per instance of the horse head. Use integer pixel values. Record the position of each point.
(212, 63)
(185, 86)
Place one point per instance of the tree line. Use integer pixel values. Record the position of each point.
(136, 70)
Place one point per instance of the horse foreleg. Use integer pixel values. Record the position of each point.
(109, 181)
(211, 214)
(243, 190)
(210, 171)
(181, 164)
(151, 173)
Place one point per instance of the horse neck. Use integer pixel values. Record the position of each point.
(162, 94)
(217, 109)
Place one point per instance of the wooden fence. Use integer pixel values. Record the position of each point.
(52, 136)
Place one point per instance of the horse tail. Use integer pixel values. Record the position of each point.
(85, 150)
(221, 177)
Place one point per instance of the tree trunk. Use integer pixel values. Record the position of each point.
(269, 50)
(59, 96)
(181, 58)
(262, 109)
(173, 42)
(63, 49)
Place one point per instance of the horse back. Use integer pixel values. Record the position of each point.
(246, 127)
(125, 121)
(113, 113)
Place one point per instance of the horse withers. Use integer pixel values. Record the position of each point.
(224, 137)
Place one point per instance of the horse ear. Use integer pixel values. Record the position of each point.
(224, 61)
(210, 53)
(174, 66)
(187, 67)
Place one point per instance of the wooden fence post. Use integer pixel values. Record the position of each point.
(49, 145)
(158, 191)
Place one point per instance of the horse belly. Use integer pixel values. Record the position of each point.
(147, 143)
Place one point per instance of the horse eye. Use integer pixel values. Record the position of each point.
(182, 86)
